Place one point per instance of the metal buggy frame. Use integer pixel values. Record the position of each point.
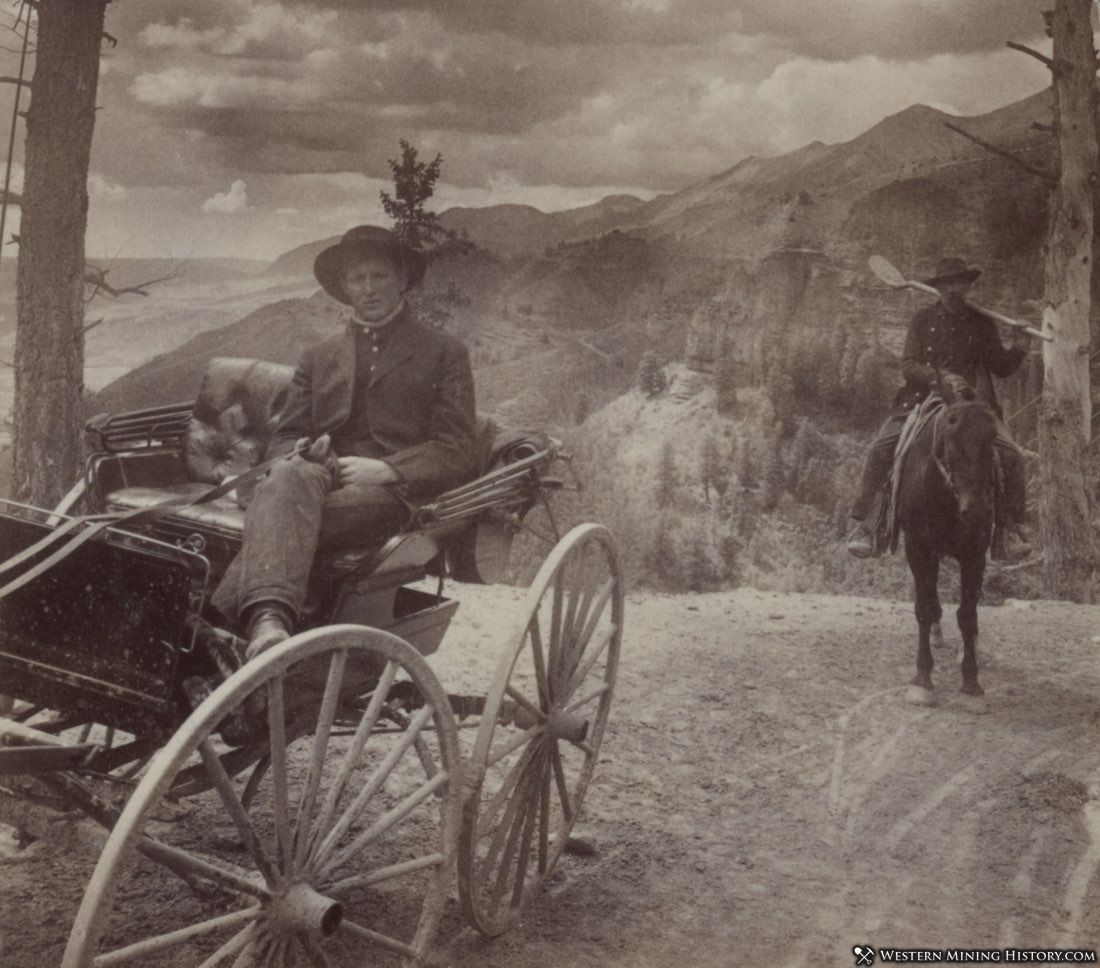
(272, 812)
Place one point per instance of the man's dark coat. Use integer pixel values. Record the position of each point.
(961, 341)
(419, 405)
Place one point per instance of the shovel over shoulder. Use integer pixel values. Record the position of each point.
(889, 274)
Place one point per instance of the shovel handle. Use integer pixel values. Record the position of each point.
(992, 314)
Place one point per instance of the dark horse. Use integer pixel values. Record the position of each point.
(945, 506)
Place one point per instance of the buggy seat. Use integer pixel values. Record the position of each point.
(143, 458)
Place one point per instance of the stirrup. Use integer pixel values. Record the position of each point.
(861, 541)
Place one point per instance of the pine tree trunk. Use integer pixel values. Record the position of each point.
(49, 346)
(1066, 416)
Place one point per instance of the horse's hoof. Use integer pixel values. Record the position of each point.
(920, 696)
(935, 636)
(975, 705)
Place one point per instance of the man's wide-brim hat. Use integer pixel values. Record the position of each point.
(953, 270)
(366, 241)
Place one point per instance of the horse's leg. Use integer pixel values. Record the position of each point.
(925, 566)
(972, 571)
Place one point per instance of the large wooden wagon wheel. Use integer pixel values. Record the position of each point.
(350, 837)
(541, 730)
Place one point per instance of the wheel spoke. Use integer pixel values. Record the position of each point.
(519, 822)
(314, 952)
(385, 822)
(276, 724)
(508, 821)
(525, 846)
(320, 747)
(584, 747)
(514, 744)
(593, 657)
(538, 656)
(383, 941)
(363, 797)
(592, 620)
(149, 946)
(559, 781)
(570, 568)
(354, 752)
(544, 815)
(553, 658)
(526, 703)
(188, 864)
(590, 697)
(239, 815)
(386, 873)
(506, 788)
(279, 957)
(238, 942)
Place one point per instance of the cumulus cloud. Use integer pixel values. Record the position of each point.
(230, 202)
(525, 99)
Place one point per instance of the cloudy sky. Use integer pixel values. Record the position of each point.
(245, 127)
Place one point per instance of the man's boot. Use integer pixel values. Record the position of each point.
(269, 624)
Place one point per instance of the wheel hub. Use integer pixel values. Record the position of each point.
(301, 909)
(568, 726)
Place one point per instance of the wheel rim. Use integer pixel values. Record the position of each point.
(542, 729)
(351, 832)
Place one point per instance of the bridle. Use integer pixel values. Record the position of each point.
(938, 434)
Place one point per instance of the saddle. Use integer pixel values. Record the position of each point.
(887, 530)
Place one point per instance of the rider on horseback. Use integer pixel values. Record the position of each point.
(953, 341)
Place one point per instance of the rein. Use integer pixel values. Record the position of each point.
(96, 523)
(937, 437)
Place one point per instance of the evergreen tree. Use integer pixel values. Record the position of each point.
(581, 408)
(651, 378)
(848, 366)
(700, 569)
(725, 380)
(666, 476)
(662, 555)
(801, 450)
(773, 477)
(781, 393)
(729, 549)
(746, 466)
(711, 471)
(413, 184)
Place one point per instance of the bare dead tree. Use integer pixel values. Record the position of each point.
(49, 353)
(95, 277)
(1065, 419)
(1071, 285)
(1051, 178)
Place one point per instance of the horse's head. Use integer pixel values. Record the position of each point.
(963, 450)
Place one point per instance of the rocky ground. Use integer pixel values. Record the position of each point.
(766, 796)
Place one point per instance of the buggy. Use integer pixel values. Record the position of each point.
(323, 794)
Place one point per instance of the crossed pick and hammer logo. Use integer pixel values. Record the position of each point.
(865, 954)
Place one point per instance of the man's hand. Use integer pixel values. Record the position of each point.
(365, 472)
(958, 386)
(1020, 340)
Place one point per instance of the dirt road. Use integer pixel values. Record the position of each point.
(766, 796)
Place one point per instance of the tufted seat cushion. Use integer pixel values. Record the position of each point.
(234, 416)
(221, 515)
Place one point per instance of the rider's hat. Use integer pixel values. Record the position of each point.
(366, 240)
(953, 270)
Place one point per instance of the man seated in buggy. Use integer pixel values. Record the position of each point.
(383, 414)
(952, 341)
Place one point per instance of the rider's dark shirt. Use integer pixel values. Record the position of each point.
(961, 341)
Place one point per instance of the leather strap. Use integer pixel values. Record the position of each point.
(96, 523)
